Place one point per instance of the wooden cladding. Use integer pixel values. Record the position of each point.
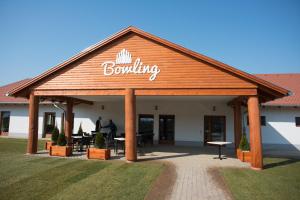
(150, 92)
(176, 70)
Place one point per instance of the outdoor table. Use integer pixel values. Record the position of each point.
(219, 144)
(77, 139)
(117, 140)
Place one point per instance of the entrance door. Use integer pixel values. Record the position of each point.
(214, 128)
(146, 124)
(166, 129)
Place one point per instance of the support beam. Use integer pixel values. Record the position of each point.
(33, 124)
(255, 132)
(69, 121)
(151, 92)
(130, 132)
(237, 123)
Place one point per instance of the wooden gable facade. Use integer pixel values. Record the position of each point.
(181, 72)
(177, 70)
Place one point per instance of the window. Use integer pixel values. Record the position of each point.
(4, 121)
(263, 121)
(297, 121)
(49, 122)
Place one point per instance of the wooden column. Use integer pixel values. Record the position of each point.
(255, 132)
(32, 143)
(130, 132)
(237, 123)
(69, 121)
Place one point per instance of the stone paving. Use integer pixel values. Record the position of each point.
(192, 164)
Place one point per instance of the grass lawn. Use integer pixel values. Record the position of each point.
(280, 180)
(30, 177)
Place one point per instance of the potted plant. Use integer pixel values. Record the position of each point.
(80, 131)
(48, 130)
(61, 149)
(54, 137)
(98, 152)
(243, 152)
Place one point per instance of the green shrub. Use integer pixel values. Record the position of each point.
(244, 144)
(55, 133)
(61, 141)
(49, 128)
(80, 131)
(99, 141)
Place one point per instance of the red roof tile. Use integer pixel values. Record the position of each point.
(4, 89)
(287, 81)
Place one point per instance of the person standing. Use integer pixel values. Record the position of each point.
(98, 125)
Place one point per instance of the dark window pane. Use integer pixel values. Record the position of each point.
(49, 122)
(146, 124)
(297, 121)
(263, 120)
(5, 117)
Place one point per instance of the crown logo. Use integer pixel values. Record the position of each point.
(123, 57)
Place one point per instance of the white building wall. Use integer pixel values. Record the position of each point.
(189, 117)
(18, 124)
(280, 130)
(281, 127)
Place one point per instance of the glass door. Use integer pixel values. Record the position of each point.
(146, 124)
(166, 129)
(214, 128)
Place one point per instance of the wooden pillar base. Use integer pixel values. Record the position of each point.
(256, 169)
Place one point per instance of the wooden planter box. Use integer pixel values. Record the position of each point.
(244, 156)
(48, 145)
(63, 151)
(4, 133)
(94, 153)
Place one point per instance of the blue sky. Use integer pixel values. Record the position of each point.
(255, 36)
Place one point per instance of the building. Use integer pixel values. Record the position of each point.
(144, 82)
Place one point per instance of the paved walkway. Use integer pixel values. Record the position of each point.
(192, 165)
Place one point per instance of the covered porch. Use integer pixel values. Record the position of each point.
(133, 64)
(133, 102)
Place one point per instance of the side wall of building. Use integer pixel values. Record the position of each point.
(281, 128)
(18, 124)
